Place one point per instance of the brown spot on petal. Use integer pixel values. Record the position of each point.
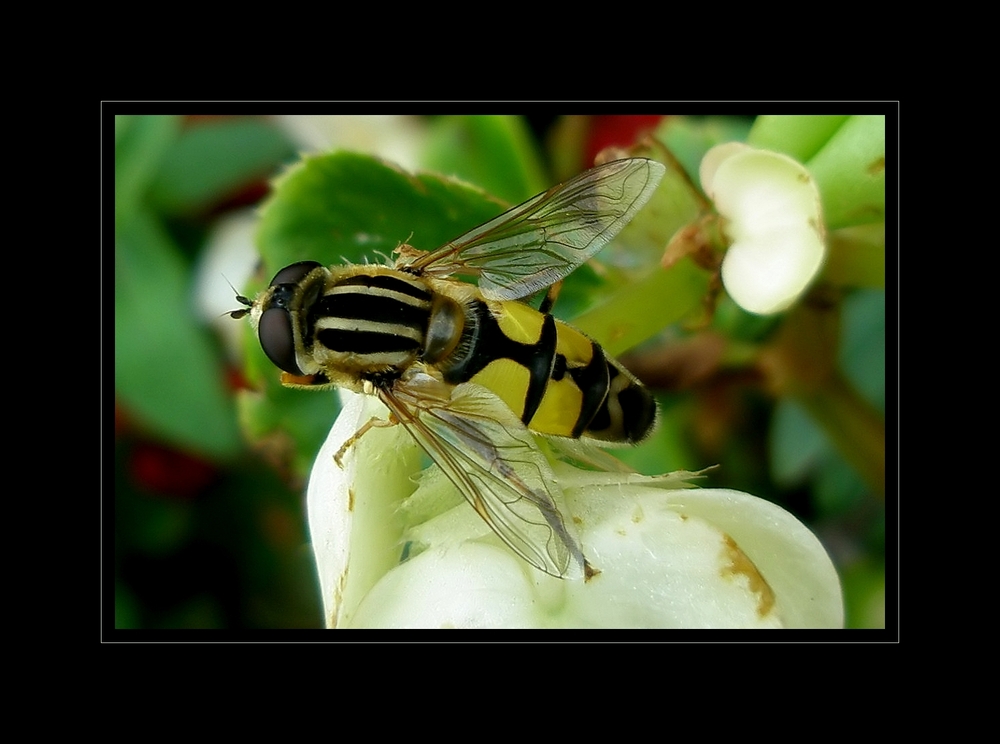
(739, 564)
(350, 499)
(338, 599)
(877, 166)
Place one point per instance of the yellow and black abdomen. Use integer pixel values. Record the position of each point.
(552, 376)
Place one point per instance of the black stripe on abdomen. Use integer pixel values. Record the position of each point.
(538, 359)
(485, 342)
(638, 411)
(593, 381)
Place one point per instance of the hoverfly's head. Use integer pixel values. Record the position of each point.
(274, 314)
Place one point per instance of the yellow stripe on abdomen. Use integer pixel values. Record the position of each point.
(554, 378)
(559, 409)
(508, 379)
(519, 322)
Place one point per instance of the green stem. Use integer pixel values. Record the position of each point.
(640, 310)
(853, 425)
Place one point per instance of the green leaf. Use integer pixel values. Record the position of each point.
(496, 153)
(210, 161)
(837, 488)
(797, 444)
(348, 207)
(289, 425)
(126, 607)
(800, 453)
(141, 143)
(741, 325)
(862, 344)
(167, 372)
(864, 593)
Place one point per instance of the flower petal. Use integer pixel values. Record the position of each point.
(788, 556)
(773, 218)
(669, 557)
(663, 569)
(470, 585)
(356, 533)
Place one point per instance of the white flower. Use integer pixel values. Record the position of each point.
(773, 218)
(669, 556)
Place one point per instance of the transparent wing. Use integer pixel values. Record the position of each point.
(539, 242)
(486, 451)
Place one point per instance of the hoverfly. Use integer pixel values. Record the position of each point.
(471, 371)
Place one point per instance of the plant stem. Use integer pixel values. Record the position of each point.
(853, 425)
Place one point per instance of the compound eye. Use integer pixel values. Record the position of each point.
(276, 339)
(294, 273)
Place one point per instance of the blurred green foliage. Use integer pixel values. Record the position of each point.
(209, 523)
(206, 535)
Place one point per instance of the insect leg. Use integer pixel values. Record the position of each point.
(373, 422)
(550, 298)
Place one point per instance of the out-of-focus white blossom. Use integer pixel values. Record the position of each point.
(399, 139)
(223, 270)
(773, 219)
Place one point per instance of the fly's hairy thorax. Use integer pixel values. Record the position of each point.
(372, 321)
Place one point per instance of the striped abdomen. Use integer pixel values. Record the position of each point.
(553, 377)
